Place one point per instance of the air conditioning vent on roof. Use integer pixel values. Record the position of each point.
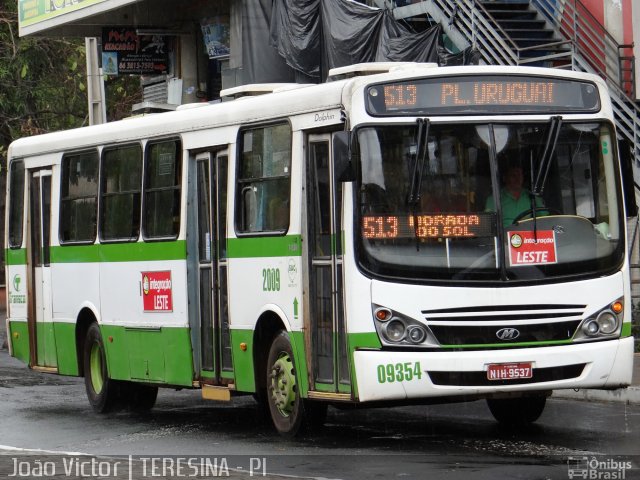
(361, 69)
(259, 89)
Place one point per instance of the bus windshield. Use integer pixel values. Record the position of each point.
(495, 202)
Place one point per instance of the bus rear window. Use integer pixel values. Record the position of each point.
(16, 203)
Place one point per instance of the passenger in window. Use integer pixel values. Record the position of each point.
(514, 197)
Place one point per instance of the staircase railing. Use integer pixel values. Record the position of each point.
(495, 47)
(573, 20)
(494, 44)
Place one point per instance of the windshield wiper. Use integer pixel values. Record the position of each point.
(537, 189)
(555, 123)
(418, 167)
(422, 150)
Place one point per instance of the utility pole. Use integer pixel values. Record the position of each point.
(95, 84)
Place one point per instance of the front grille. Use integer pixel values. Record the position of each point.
(481, 335)
(504, 325)
(479, 379)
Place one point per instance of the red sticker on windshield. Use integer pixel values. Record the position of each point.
(532, 248)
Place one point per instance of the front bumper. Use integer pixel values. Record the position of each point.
(606, 364)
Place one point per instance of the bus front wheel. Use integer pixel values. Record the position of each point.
(283, 394)
(102, 392)
(519, 411)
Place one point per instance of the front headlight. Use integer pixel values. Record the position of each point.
(396, 329)
(605, 323)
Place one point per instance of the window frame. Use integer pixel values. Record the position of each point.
(145, 169)
(240, 183)
(101, 215)
(65, 156)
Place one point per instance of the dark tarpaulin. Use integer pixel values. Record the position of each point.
(350, 33)
(260, 62)
(314, 36)
(300, 47)
(468, 56)
(398, 44)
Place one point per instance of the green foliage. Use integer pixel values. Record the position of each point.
(39, 80)
(43, 85)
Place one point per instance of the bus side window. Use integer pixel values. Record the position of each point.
(161, 214)
(120, 193)
(264, 180)
(79, 198)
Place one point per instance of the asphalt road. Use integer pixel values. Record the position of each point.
(44, 416)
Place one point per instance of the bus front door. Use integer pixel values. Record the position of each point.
(213, 312)
(42, 343)
(328, 342)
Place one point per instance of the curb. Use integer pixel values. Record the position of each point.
(629, 395)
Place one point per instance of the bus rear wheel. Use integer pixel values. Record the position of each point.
(517, 412)
(139, 397)
(102, 392)
(283, 395)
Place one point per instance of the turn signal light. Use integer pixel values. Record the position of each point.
(617, 307)
(383, 314)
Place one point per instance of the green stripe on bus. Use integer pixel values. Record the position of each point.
(286, 246)
(19, 338)
(15, 256)
(626, 330)
(120, 252)
(253, 247)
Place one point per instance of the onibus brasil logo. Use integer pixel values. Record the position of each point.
(597, 468)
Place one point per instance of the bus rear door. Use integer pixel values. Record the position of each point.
(213, 313)
(41, 333)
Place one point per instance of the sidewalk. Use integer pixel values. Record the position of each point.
(624, 395)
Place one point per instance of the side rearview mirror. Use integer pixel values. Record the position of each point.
(343, 166)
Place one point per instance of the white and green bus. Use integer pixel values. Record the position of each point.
(348, 243)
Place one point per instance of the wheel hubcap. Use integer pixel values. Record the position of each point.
(95, 362)
(283, 385)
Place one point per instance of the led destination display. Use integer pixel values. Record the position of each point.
(436, 225)
(491, 94)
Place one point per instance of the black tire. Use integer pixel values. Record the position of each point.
(286, 407)
(102, 392)
(517, 412)
(315, 414)
(139, 397)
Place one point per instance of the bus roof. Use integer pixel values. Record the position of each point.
(248, 109)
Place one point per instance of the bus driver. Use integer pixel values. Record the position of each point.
(514, 198)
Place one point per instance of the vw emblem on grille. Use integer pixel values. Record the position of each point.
(507, 334)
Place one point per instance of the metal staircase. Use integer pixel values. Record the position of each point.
(541, 32)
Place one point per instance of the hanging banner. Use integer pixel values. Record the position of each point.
(126, 52)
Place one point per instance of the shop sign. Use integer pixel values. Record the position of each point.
(126, 52)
